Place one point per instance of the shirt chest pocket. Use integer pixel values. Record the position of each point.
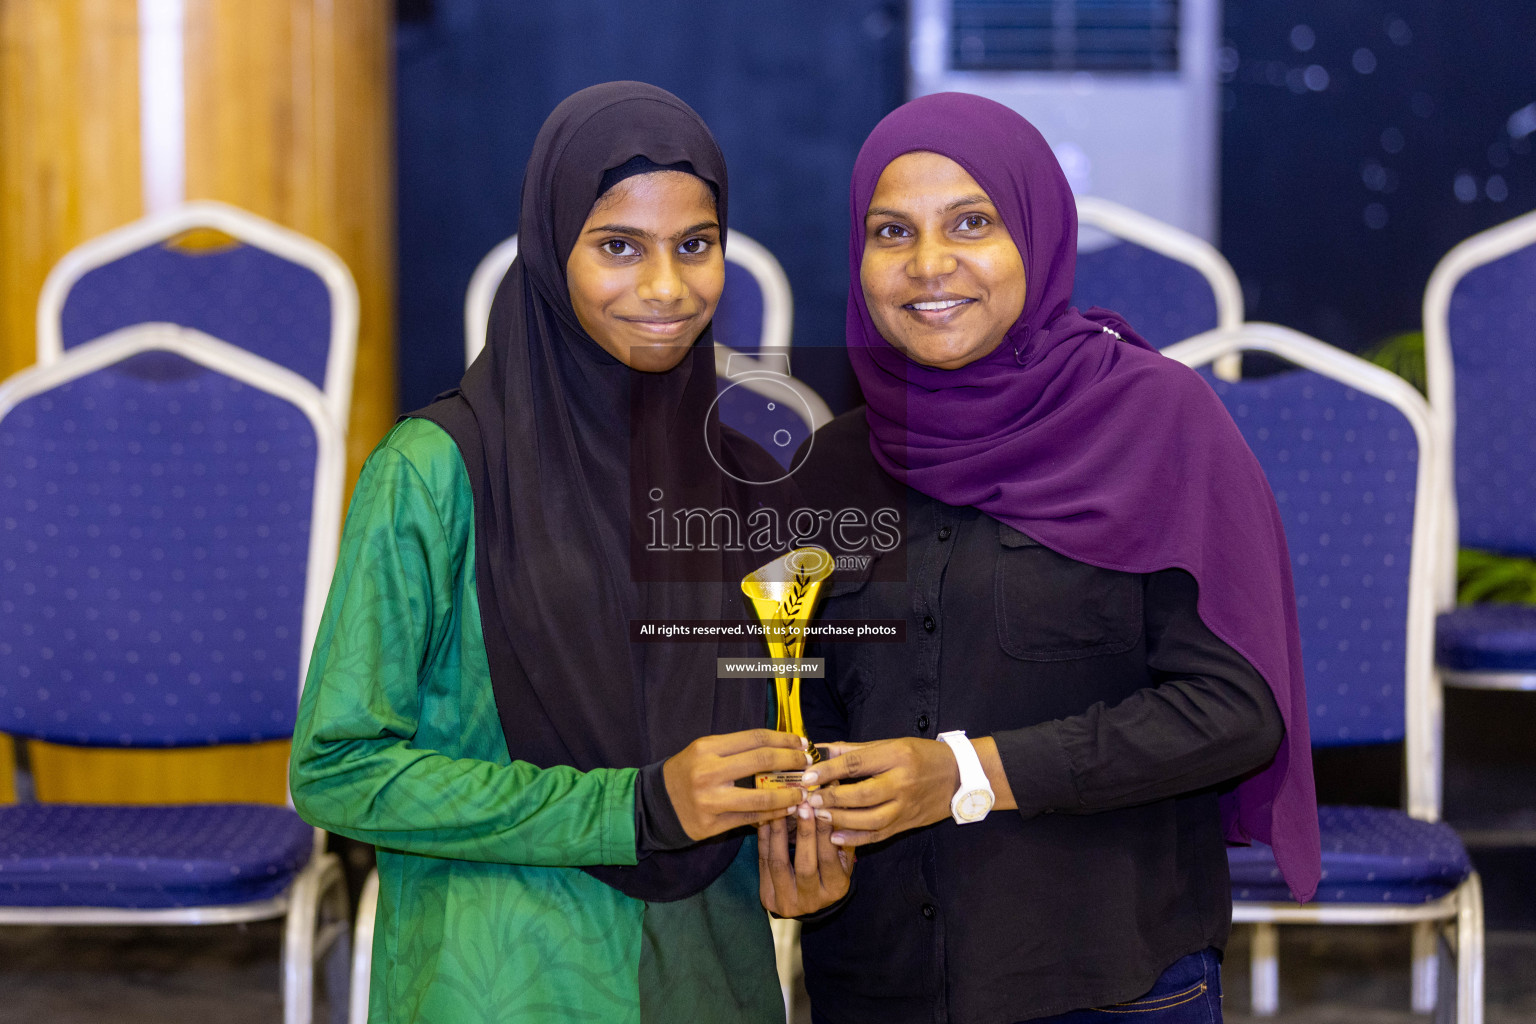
(1052, 608)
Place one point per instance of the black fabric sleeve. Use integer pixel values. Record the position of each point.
(1209, 717)
(656, 823)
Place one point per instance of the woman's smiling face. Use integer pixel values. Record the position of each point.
(647, 270)
(941, 276)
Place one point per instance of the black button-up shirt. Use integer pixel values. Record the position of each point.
(1119, 719)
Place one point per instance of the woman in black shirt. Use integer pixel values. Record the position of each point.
(1100, 637)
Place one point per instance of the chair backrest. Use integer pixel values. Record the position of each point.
(1349, 452)
(1480, 364)
(755, 315)
(222, 271)
(169, 509)
(1169, 284)
(481, 292)
(759, 397)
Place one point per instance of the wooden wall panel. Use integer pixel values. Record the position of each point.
(69, 157)
(7, 780)
(288, 114)
(256, 773)
(69, 144)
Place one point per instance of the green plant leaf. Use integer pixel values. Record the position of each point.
(1403, 354)
(1483, 577)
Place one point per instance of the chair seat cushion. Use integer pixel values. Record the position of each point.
(1370, 855)
(1487, 637)
(78, 855)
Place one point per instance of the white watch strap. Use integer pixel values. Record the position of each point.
(973, 778)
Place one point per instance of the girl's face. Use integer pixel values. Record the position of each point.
(647, 270)
(941, 276)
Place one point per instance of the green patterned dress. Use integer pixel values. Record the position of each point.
(484, 915)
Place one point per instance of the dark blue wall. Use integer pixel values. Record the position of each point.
(1339, 190)
(790, 88)
(1338, 201)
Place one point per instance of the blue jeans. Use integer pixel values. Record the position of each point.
(1189, 992)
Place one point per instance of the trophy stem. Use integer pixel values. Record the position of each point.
(788, 717)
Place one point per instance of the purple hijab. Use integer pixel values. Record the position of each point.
(1077, 433)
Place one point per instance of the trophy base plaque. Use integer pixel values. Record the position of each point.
(780, 780)
(783, 780)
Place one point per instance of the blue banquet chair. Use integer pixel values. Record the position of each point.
(1169, 284)
(757, 311)
(1350, 455)
(169, 509)
(1480, 365)
(222, 271)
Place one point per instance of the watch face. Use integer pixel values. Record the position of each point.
(973, 804)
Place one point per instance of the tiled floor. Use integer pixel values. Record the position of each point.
(224, 975)
(1360, 975)
(230, 976)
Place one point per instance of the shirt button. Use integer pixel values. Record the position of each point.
(928, 624)
(928, 911)
(944, 532)
(922, 723)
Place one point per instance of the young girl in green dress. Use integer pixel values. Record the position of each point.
(559, 833)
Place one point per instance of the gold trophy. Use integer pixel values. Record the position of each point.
(784, 594)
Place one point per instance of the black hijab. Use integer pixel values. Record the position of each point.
(562, 441)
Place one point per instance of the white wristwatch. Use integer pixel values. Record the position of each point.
(974, 798)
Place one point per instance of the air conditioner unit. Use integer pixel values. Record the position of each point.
(1124, 90)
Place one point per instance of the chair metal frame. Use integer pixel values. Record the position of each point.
(246, 228)
(493, 266)
(1462, 908)
(1176, 244)
(362, 949)
(786, 959)
(315, 905)
(778, 302)
(1440, 375)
